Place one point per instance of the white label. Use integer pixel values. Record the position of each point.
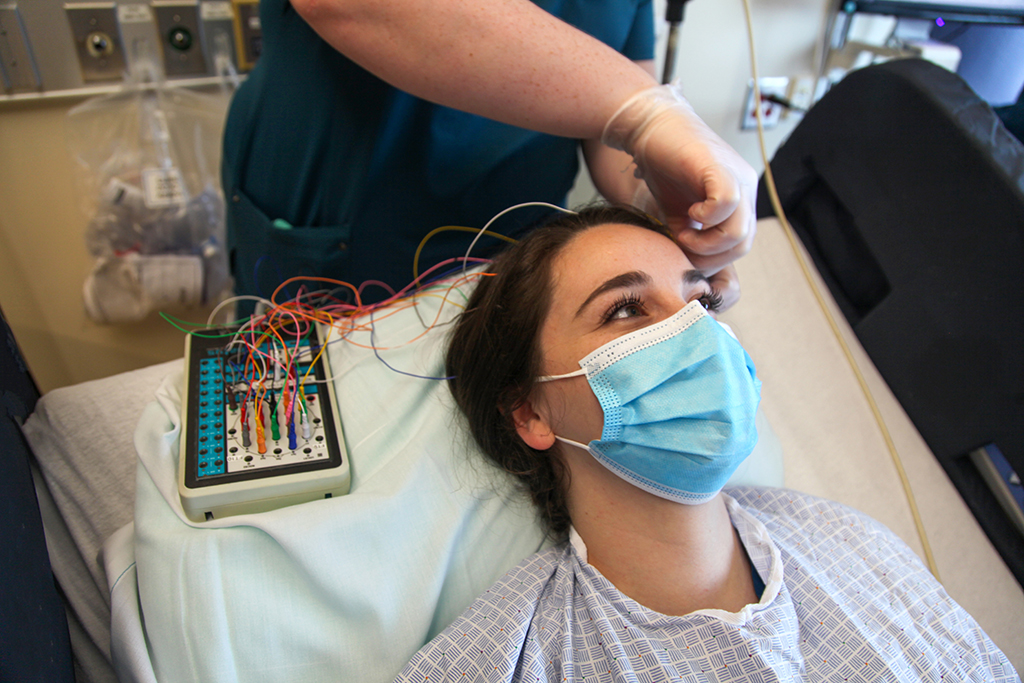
(171, 279)
(163, 187)
(214, 11)
(134, 14)
(254, 22)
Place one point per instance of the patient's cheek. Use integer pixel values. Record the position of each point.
(576, 412)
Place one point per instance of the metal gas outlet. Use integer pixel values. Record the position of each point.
(99, 45)
(95, 30)
(178, 25)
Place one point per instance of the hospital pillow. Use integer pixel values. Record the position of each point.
(347, 588)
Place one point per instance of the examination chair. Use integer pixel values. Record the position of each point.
(908, 192)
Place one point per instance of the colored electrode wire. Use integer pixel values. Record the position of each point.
(447, 228)
(269, 357)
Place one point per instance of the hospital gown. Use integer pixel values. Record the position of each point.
(845, 600)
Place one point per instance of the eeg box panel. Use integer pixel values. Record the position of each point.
(260, 424)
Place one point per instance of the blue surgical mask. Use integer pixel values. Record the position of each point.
(679, 400)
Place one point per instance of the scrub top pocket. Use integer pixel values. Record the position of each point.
(265, 254)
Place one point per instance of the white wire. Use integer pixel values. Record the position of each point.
(465, 261)
(231, 300)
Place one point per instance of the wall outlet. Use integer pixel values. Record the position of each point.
(770, 112)
(180, 37)
(97, 37)
(801, 94)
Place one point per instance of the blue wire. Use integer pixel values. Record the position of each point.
(373, 345)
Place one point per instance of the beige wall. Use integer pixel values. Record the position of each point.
(43, 261)
(715, 60)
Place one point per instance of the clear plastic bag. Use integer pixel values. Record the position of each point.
(149, 158)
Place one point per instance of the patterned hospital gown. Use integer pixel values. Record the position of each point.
(845, 600)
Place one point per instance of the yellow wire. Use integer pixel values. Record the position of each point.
(323, 345)
(790, 235)
(446, 228)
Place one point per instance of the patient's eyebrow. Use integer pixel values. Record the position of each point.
(694, 276)
(633, 278)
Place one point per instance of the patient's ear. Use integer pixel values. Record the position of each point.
(533, 429)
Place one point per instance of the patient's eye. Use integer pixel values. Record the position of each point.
(711, 300)
(627, 306)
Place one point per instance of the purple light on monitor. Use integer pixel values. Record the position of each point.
(939, 22)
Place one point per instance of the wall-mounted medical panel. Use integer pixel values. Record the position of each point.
(61, 48)
(97, 39)
(218, 20)
(179, 29)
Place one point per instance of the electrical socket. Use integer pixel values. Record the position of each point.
(801, 93)
(770, 112)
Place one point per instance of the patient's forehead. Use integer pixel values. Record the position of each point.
(605, 251)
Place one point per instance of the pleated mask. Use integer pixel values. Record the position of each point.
(679, 400)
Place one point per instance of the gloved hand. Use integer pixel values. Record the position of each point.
(704, 190)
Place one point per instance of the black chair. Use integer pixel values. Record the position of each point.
(34, 627)
(908, 192)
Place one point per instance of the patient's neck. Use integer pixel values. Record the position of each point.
(669, 557)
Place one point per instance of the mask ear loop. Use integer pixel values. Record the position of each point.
(552, 378)
(577, 444)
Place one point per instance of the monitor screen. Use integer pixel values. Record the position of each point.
(987, 11)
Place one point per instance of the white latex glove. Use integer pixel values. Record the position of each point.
(704, 190)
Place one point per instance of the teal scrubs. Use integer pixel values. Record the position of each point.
(328, 171)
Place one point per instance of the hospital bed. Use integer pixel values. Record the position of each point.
(353, 585)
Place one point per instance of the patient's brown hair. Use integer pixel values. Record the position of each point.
(494, 359)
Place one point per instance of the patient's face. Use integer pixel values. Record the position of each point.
(607, 282)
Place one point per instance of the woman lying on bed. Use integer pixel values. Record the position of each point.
(588, 365)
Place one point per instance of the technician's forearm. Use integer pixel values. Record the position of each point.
(504, 59)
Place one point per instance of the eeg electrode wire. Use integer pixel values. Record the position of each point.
(819, 297)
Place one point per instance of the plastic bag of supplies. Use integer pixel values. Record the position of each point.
(149, 157)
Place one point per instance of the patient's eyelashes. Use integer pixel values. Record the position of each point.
(631, 305)
(626, 306)
(712, 300)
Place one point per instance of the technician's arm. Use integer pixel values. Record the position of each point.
(508, 60)
(511, 61)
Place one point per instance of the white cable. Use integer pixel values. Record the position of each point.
(231, 300)
(465, 261)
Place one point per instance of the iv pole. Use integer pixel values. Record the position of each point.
(674, 17)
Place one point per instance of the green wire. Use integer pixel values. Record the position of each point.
(173, 322)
